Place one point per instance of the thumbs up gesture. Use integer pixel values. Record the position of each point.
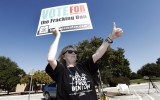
(116, 32)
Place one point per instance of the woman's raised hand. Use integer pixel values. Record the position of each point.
(57, 31)
(116, 32)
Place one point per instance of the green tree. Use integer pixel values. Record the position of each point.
(150, 69)
(113, 62)
(118, 64)
(158, 61)
(39, 77)
(10, 74)
(135, 76)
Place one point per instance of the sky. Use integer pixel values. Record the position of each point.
(139, 19)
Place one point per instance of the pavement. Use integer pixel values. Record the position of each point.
(136, 92)
(110, 91)
(4, 93)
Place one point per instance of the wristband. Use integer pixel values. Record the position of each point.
(109, 40)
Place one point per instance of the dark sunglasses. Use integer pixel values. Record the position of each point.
(70, 52)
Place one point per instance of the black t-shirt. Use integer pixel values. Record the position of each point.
(74, 83)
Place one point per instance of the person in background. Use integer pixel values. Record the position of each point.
(75, 81)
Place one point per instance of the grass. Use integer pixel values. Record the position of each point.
(138, 81)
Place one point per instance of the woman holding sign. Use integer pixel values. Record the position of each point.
(74, 81)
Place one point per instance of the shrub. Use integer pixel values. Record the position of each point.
(123, 80)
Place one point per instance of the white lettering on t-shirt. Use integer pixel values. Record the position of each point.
(80, 83)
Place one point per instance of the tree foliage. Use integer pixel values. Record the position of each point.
(158, 61)
(39, 77)
(10, 74)
(135, 76)
(113, 62)
(150, 69)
